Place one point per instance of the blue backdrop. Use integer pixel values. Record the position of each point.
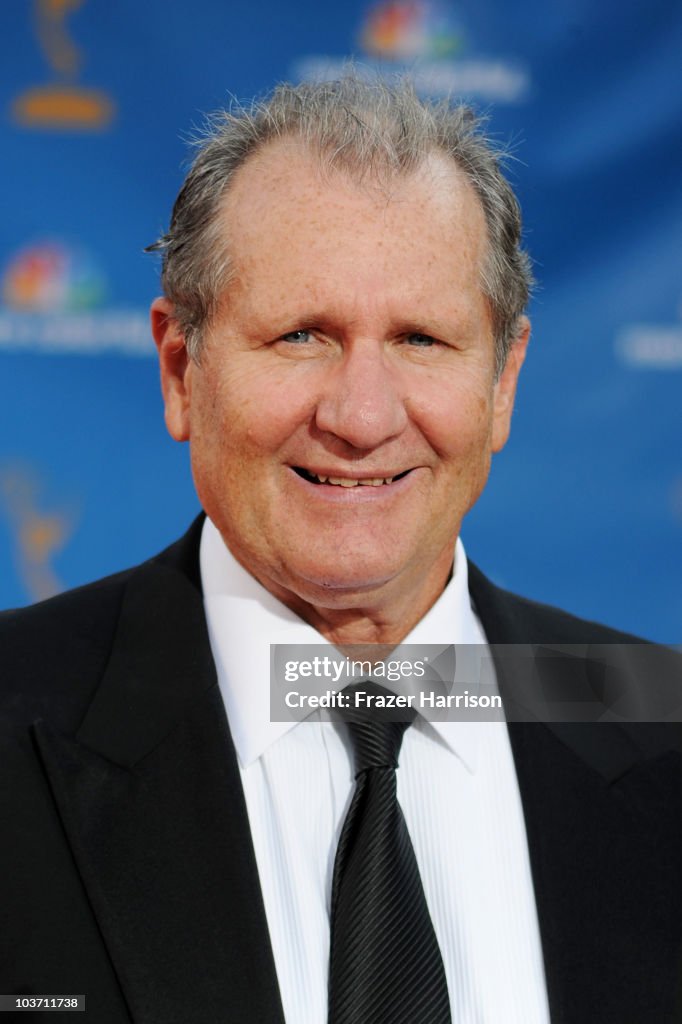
(584, 507)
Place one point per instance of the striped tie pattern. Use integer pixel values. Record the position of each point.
(385, 964)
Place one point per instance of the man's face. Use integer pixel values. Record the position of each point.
(343, 416)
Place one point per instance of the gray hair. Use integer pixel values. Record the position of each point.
(364, 129)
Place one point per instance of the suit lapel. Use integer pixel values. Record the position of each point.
(152, 803)
(604, 846)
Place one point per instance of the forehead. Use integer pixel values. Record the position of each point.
(288, 218)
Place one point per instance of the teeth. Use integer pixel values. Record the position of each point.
(344, 481)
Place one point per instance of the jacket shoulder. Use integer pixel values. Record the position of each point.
(52, 653)
(510, 618)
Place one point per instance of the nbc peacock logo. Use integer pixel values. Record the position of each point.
(55, 298)
(425, 40)
(49, 277)
(406, 31)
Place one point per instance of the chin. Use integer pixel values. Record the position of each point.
(336, 584)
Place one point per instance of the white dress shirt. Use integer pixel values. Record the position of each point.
(456, 785)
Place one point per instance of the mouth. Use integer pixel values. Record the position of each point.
(347, 481)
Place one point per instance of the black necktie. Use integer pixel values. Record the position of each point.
(385, 964)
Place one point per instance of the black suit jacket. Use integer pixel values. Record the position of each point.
(127, 868)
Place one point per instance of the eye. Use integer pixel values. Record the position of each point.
(296, 337)
(420, 340)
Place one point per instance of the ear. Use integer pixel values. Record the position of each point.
(176, 367)
(505, 387)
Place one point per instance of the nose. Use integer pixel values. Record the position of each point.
(362, 401)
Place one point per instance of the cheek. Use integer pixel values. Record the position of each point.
(455, 419)
(243, 415)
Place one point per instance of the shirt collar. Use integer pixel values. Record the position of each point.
(244, 619)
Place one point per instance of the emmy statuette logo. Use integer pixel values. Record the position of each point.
(62, 104)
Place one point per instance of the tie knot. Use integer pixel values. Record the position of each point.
(376, 744)
(376, 732)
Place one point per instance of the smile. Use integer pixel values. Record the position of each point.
(346, 481)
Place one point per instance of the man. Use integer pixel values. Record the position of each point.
(340, 340)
